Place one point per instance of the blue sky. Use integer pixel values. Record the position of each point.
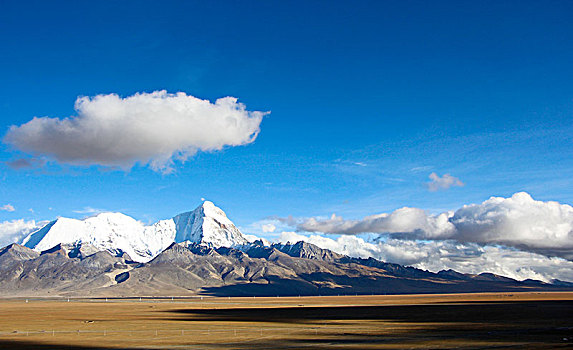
(366, 100)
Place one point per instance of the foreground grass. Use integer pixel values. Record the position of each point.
(485, 320)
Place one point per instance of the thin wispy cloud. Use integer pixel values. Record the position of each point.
(421, 168)
(154, 129)
(445, 182)
(7, 207)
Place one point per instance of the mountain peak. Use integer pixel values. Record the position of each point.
(209, 225)
(207, 204)
(18, 252)
(209, 209)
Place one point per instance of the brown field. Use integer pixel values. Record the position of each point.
(467, 321)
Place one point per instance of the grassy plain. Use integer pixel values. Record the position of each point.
(466, 321)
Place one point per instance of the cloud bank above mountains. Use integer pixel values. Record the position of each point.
(152, 129)
(518, 221)
(443, 255)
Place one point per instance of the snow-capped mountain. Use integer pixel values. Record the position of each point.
(207, 225)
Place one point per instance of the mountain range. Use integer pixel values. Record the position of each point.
(116, 232)
(202, 252)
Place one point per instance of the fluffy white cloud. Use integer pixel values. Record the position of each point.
(404, 220)
(442, 255)
(268, 228)
(15, 230)
(150, 128)
(442, 183)
(518, 221)
(7, 207)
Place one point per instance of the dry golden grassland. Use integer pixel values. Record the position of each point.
(485, 320)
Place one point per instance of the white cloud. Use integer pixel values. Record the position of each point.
(421, 168)
(403, 220)
(442, 255)
(15, 230)
(148, 128)
(518, 221)
(442, 183)
(268, 228)
(7, 207)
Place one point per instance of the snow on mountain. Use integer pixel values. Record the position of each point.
(207, 224)
(116, 232)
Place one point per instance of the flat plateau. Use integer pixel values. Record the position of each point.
(528, 320)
